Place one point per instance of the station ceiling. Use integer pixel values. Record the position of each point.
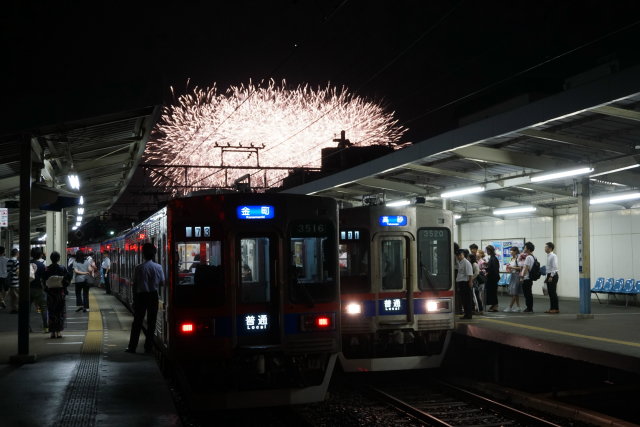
(104, 152)
(594, 125)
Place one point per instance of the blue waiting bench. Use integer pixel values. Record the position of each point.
(614, 287)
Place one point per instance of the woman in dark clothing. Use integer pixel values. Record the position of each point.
(493, 276)
(55, 279)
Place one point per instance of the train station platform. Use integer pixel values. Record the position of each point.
(84, 378)
(611, 337)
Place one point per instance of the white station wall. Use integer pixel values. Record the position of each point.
(615, 244)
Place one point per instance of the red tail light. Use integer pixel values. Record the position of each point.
(323, 322)
(187, 328)
(317, 322)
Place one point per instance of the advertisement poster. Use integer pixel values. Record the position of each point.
(503, 249)
(4, 217)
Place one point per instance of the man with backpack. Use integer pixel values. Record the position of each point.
(530, 272)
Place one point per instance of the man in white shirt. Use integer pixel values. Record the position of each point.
(106, 267)
(552, 278)
(464, 283)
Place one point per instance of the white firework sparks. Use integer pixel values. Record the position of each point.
(257, 126)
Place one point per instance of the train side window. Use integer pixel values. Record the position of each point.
(391, 263)
(255, 269)
(311, 272)
(434, 253)
(353, 258)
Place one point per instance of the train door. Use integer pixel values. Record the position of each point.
(258, 298)
(394, 293)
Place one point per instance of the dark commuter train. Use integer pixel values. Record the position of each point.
(250, 310)
(396, 268)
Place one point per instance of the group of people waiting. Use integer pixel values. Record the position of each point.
(48, 285)
(478, 274)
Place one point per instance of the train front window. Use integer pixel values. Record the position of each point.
(392, 263)
(311, 266)
(434, 252)
(255, 270)
(353, 258)
(199, 273)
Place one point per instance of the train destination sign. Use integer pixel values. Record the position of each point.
(392, 220)
(255, 212)
(256, 322)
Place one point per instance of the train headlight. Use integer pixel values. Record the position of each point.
(354, 308)
(432, 306)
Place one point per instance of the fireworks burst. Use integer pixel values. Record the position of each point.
(257, 126)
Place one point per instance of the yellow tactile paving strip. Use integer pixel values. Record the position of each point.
(93, 341)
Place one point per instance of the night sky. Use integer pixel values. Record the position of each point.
(430, 61)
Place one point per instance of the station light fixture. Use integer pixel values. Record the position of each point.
(80, 211)
(614, 198)
(398, 203)
(79, 218)
(78, 223)
(74, 180)
(516, 209)
(562, 174)
(615, 170)
(462, 191)
(81, 202)
(75, 227)
(457, 216)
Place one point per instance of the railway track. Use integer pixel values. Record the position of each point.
(442, 404)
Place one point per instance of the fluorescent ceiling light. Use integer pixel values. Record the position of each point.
(614, 170)
(457, 216)
(75, 227)
(462, 191)
(81, 200)
(79, 218)
(517, 209)
(74, 181)
(399, 203)
(558, 175)
(80, 211)
(78, 223)
(614, 198)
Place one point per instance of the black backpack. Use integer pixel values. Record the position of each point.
(534, 274)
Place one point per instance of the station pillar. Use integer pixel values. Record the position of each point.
(584, 250)
(55, 239)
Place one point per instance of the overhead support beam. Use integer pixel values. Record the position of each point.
(622, 113)
(508, 157)
(576, 141)
(87, 165)
(386, 184)
(443, 172)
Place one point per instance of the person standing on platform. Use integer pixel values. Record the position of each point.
(464, 283)
(147, 279)
(106, 267)
(493, 277)
(527, 283)
(55, 279)
(515, 286)
(13, 280)
(552, 278)
(37, 295)
(82, 269)
(4, 286)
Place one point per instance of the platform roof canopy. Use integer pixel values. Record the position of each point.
(103, 151)
(595, 125)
